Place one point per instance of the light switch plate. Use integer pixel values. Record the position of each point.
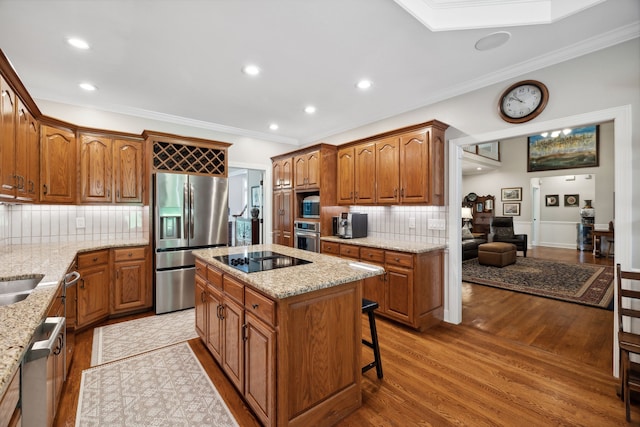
(412, 222)
(80, 222)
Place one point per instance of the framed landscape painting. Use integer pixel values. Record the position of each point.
(566, 149)
(511, 209)
(513, 194)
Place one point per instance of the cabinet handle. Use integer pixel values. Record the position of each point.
(95, 259)
(254, 306)
(402, 192)
(130, 254)
(82, 284)
(395, 192)
(220, 312)
(108, 193)
(118, 194)
(202, 297)
(397, 259)
(244, 332)
(44, 186)
(31, 187)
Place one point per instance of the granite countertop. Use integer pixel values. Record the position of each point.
(393, 245)
(19, 321)
(324, 271)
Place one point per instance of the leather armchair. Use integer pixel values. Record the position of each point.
(502, 227)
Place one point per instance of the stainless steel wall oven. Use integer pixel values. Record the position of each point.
(307, 235)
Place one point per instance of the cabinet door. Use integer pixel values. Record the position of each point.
(8, 181)
(300, 171)
(201, 307)
(95, 169)
(399, 293)
(232, 342)
(26, 154)
(57, 165)
(93, 295)
(346, 171)
(387, 170)
(414, 167)
(373, 289)
(436, 166)
(214, 323)
(130, 291)
(259, 372)
(127, 170)
(365, 173)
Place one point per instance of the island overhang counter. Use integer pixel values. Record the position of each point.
(288, 338)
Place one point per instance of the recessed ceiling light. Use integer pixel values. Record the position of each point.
(273, 126)
(309, 109)
(88, 87)
(493, 40)
(251, 70)
(78, 43)
(479, 168)
(364, 84)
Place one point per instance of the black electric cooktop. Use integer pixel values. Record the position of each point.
(252, 262)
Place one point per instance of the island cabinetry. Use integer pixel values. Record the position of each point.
(307, 171)
(131, 290)
(410, 291)
(57, 165)
(93, 287)
(408, 167)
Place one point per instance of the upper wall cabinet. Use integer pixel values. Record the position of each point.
(405, 166)
(8, 180)
(110, 170)
(27, 155)
(57, 165)
(307, 171)
(282, 173)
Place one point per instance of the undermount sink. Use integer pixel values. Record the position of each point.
(16, 289)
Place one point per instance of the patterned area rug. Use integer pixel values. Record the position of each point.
(137, 336)
(579, 283)
(166, 387)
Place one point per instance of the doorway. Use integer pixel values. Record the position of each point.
(246, 206)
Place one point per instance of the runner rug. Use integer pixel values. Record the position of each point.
(137, 336)
(165, 387)
(578, 283)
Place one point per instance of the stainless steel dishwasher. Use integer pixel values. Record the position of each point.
(43, 373)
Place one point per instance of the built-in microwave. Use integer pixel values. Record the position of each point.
(311, 207)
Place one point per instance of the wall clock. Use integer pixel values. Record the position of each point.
(523, 101)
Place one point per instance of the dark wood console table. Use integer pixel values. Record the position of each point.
(598, 236)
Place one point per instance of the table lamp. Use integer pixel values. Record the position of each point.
(467, 216)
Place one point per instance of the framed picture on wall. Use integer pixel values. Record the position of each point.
(552, 200)
(256, 197)
(571, 200)
(511, 209)
(566, 149)
(513, 194)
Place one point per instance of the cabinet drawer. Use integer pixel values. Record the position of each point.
(233, 288)
(399, 258)
(201, 268)
(214, 277)
(350, 251)
(90, 259)
(330, 248)
(372, 255)
(260, 305)
(128, 254)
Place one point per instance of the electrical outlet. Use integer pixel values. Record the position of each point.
(437, 224)
(412, 222)
(80, 222)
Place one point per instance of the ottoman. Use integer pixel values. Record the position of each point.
(497, 254)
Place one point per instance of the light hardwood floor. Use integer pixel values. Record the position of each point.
(545, 363)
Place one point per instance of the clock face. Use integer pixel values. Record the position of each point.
(523, 101)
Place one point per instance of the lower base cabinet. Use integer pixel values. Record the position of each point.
(131, 289)
(92, 290)
(274, 351)
(411, 290)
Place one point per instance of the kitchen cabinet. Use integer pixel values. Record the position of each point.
(57, 165)
(8, 180)
(131, 288)
(408, 167)
(282, 173)
(283, 217)
(410, 291)
(110, 170)
(307, 171)
(27, 155)
(10, 412)
(93, 288)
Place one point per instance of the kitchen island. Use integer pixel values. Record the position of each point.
(288, 338)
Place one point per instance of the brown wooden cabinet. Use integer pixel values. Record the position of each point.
(131, 287)
(282, 173)
(27, 155)
(93, 287)
(8, 179)
(404, 166)
(307, 171)
(110, 170)
(410, 291)
(57, 165)
(283, 217)
(482, 211)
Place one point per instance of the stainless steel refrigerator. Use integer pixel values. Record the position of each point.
(190, 212)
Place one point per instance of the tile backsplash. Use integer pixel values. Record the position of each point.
(393, 222)
(25, 224)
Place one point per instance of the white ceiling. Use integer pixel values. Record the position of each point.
(180, 61)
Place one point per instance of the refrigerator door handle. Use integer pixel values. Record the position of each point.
(185, 211)
(191, 212)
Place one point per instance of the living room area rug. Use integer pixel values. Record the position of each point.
(578, 283)
(165, 387)
(137, 336)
